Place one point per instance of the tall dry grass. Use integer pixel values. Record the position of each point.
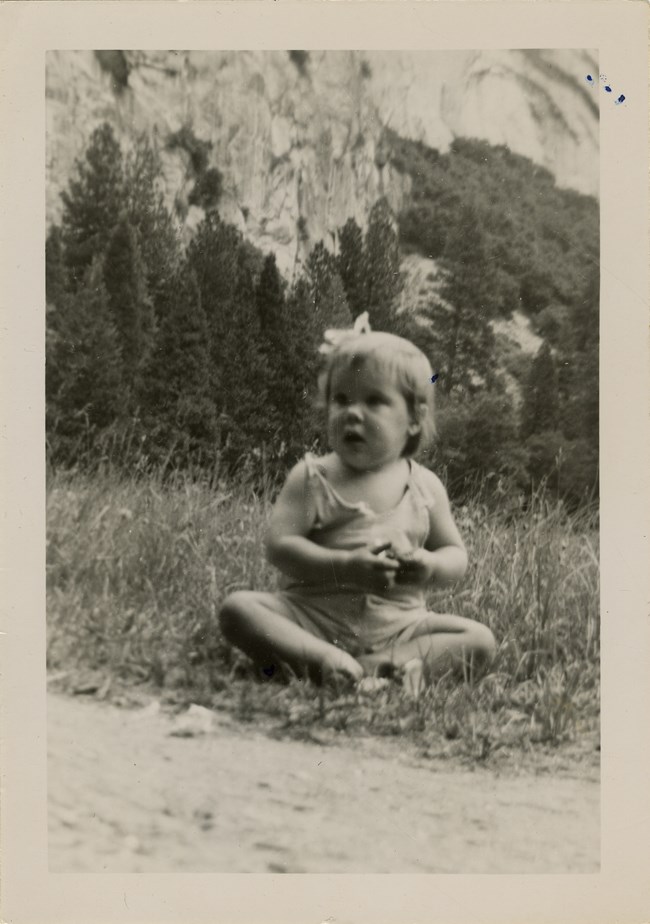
(137, 570)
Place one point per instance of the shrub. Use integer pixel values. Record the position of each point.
(207, 190)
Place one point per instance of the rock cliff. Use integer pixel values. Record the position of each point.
(299, 137)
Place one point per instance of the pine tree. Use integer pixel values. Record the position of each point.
(93, 202)
(351, 266)
(334, 310)
(55, 274)
(149, 217)
(274, 336)
(125, 280)
(470, 300)
(304, 359)
(288, 352)
(540, 410)
(269, 297)
(83, 367)
(579, 387)
(179, 412)
(326, 299)
(243, 366)
(321, 265)
(579, 366)
(383, 281)
(214, 257)
(292, 379)
(246, 422)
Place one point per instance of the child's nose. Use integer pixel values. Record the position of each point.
(353, 412)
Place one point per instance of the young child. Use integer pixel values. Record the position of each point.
(361, 533)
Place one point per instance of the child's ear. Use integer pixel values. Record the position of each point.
(416, 416)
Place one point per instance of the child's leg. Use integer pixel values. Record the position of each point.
(255, 623)
(443, 643)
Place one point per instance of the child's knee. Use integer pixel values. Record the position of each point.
(233, 611)
(483, 645)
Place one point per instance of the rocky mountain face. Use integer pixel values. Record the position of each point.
(300, 137)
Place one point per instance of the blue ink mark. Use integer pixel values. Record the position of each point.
(607, 88)
(434, 378)
(269, 671)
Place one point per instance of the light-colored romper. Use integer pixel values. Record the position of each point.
(356, 622)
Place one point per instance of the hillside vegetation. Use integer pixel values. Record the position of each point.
(507, 239)
(200, 355)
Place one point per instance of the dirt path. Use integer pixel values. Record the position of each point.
(126, 796)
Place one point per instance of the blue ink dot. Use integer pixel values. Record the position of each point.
(608, 89)
(589, 78)
(617, 102)
(434, 378)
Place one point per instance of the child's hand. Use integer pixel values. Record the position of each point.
(369, 570)
(418, 567)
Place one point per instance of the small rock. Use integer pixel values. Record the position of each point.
(320, 737)
(196, 721)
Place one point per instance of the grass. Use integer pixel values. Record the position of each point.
(137, 570)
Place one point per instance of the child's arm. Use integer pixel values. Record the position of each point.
(289, 549)
(443, 559)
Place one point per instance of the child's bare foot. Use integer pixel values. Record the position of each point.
(413, 677)
(372, 684)
(339, 666)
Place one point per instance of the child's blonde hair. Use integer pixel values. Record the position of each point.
(394, 357)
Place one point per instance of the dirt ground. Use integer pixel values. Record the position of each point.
(130, 791)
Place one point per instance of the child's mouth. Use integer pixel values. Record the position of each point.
(353, 438)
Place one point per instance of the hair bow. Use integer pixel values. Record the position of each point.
(334, 338)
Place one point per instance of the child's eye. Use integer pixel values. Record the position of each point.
(376, 400)
(340, 399)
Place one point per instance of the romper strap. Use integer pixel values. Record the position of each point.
(324, 501)
(318, 491)
(419, 487)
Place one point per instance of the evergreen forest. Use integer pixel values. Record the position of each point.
(170, 354)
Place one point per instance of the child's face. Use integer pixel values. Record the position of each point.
(368, 419)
